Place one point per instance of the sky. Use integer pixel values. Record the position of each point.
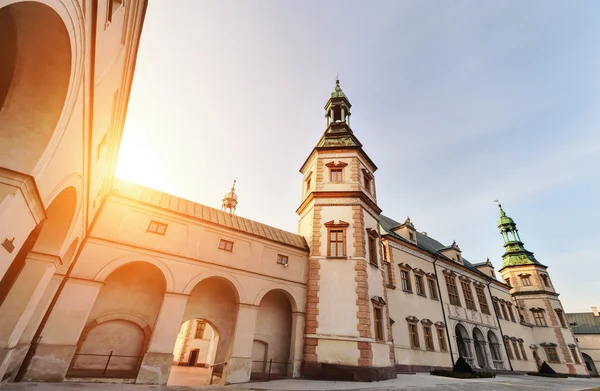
(458, 103)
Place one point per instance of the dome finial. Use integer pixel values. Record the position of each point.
(230, 200)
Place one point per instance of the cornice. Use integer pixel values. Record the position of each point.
(339, 198)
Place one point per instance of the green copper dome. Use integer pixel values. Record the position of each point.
(515, 253)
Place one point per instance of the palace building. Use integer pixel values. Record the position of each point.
(102, 278)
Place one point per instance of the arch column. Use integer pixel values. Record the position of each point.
(157, 361)
(296, 344)
(54, 352)
(239, 365)
(21, 302)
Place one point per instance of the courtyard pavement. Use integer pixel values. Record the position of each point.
(418, 382)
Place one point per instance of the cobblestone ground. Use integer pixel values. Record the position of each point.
(419, 382)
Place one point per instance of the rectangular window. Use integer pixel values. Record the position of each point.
(442, 339)
(516, 348)
(522, 347)
(551, 354)
(526, 281)
(308, 183)
(540, 319)
(413, 332)
(432, 288)
(561, 319)
(468, 294)
(419, 285)
(508, 349)
(497, 309)
(504, 313)
(508, 282)
(372, 250)
(200, 327)
(336, 243)
(452, 290)
(545, 280)
(411, 236)
(404, 276)
(511, 313)
(575, 355)
(428, 337)
(378, 323)
(389, 271)
(483, 304)
(156, 227)
(282, 259)
(225, 245)
(367, 183)
(336, 175)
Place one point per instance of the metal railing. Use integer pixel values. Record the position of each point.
(269, 369)
(498, 364)
(214, 371)
(470, 361)
(123, 366)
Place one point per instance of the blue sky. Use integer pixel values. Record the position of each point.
(458, 103)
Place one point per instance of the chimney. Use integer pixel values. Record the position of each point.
(595, 311)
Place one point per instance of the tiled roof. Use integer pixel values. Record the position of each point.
(206, 213)
(425, 242)
(586, 323)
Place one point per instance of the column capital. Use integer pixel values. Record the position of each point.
(42, 257)
(248, 306)
(84, 281)
(28, 188)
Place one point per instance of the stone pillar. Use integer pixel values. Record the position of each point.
(239, 365)
(20, 304)
(296, 345)
(156, 365)
(54, 352)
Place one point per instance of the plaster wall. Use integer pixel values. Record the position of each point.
(274, 327)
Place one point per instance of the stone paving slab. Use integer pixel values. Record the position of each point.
(418, 382)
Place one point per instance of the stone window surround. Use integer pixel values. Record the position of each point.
(542, 318)
(450, 277)
(378, 326)
(467, 292)
(419, 274)
(336, 166)
(413, 333)
(406, 268)
(373, 235)
(561, 318)
(550, 349)
(340, 226)
(481, 298)
(427, 331)
(432, 285)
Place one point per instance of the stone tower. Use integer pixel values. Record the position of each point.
(536, 299)
(347, 331)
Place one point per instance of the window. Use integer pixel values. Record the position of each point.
(523, 354)
(378, 323)
(561, 318)
(511, 313)
(442, 339)
(157, 228)
(516, 349)
(367, 183)
(411, 236)
(525, 280)
(337, 238)
(419, 285)
(405, 277)
(413, 332)
(504, 313)
(507, 281)
(113, 6)
(539, 318)
(336, 175)
(428, 337)
(432, 288)
(308, 184)
(545, 280)
(468, 294)
(282, 259)
(452, 290)
(225, 245)
(372, 248)
(390, 277)
(508, 349)
(483, 305)
(551, 354)
(458, 257)
(574, 354)
(200, 327)
(497, 309)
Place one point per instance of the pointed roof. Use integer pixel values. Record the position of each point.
(515, 253)
(337, 91)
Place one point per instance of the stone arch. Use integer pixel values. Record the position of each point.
(494, 346)
(61, 215)
(278, 287)
(480, 352)
(462, 340)
(40, 75)
(228, 278)
(115, 264)
(589, 363)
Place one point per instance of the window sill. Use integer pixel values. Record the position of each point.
(329, 257)
(422, 295)
(376, 266)
(391, 286)
(404, 290)
(434, 298)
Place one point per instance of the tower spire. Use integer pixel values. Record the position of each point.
(515, 252)
(230, 200)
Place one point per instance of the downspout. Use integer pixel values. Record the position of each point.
(499, 325)
(437, 281)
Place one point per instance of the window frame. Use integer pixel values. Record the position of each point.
(158, 226)
(413, 335)
(509, 307)
(561, 318)
(522, 348)
(551, 352)
(372, 247)
(333, 167)
(428, 336)
(405, 283)
(539, 318)
(433, 291)
(525, 279)
(419, 284)
(200, 329)
(453, 295)
(341, 227)
(378, 322)
(516, 348)
(468, 293)
(574, 354)
(280, 259)
(225, 242)
(441, 334)
(482, 299)
(508, 348)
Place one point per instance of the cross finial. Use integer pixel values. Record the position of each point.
(498, 202)
(337, 79)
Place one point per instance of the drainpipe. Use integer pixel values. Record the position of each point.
(499, 325)
(437, 281)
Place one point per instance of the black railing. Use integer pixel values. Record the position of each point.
(123, 366)
(270, 370)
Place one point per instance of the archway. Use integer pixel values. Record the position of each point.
(34, 80)
(589, 363)
(495, 350)
(215, 300)
(120, 324)
(194, 353)
(462, 343)
(479, 341)
(272, 336)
